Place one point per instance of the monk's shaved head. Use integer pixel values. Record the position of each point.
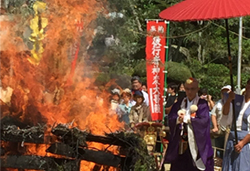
(192, 81)
(191, 87)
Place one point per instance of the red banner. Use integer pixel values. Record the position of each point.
(155, 56)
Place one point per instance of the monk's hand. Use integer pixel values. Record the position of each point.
(238, 147)
(181, 117)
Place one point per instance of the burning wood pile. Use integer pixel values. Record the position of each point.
(51, 83)
(66, 147)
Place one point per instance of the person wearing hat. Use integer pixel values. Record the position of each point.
(219, 128)
(237, 154)
(114, 100)
(140, 111)
(137, 86)
(124, 108)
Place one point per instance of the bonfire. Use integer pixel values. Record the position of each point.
(56, 118)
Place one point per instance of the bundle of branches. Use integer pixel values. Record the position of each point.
(72, 142)
(71, 136)
(132, 146)
(13, 133)
(136, 149)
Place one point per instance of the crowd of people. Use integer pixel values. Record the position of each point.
(197, 124)
(131, 105)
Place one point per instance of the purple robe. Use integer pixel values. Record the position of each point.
(201, 129)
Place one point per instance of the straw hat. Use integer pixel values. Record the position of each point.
(127, 91)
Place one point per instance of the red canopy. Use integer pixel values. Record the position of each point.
(189, 10)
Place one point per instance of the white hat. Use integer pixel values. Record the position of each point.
(115, 91)
(226, 87)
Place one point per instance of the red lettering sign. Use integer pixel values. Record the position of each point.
(155, 56)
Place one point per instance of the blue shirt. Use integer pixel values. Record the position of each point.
(123, 111)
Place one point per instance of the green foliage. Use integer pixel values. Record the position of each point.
(136, 148)
(143, 161)
(216, 70)
(23, 7)
(177, 72)
(244, 78)
(126, 23)
(205, 41)
(211, 76)
(140, 166)
(102, 79)
(140, 68)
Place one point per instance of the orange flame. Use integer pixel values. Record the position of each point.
(41, 94)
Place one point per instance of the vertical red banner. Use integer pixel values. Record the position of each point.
(155, 56)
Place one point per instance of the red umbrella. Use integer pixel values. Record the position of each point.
(191, 10)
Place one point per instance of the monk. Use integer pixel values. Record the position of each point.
(190, 144)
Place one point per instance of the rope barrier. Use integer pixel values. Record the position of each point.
(196, 31)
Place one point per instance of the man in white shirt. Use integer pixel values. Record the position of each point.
(137, 85)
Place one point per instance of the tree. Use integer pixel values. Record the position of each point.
(120, 39)
(178, 72)
(194, 44)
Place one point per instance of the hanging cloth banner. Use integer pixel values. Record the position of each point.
(155, 56)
